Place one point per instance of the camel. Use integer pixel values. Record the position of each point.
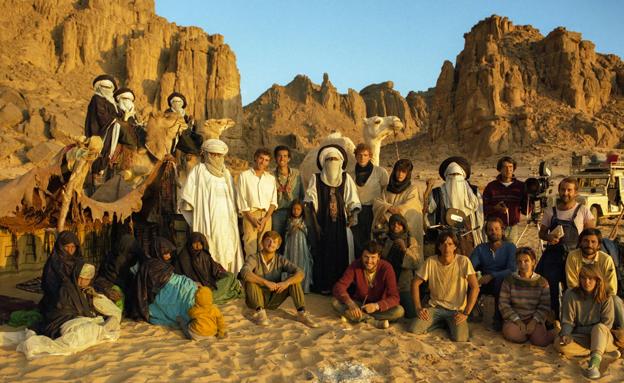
(161, 129)
(374, 131)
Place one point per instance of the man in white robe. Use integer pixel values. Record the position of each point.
(208, 204)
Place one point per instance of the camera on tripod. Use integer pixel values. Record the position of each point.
(537, 191)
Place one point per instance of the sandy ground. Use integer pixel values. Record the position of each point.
(287, 351)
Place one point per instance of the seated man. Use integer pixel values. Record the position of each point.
(496, 259)
(449, 276)
(264, 287)
(376, 298)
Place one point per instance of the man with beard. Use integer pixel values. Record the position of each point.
(333, 196)
(256, 196)
(496, 259)
(371, 181)
(101, 120)
(569, 218)
(457, 193)
(589, 253)
(188, 141)
(208, 205)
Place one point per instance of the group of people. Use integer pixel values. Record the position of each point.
(361, 239)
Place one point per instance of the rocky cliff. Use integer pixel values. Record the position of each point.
(302, 113)
(512, 87)
(50, 50)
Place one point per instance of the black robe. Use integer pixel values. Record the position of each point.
(332, 256)
(115, 268)
(58, 269)
(189, 141)
(199, 264)
(152, 276)
(72, 302)
(101, 115)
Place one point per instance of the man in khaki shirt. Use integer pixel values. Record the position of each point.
(269, 279)
(589, 253)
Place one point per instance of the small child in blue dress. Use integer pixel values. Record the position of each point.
(296, 248)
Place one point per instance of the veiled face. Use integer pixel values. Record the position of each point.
(197, 246)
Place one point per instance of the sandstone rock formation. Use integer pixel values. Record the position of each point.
(511, 86)
(301, 113)
(52, 49)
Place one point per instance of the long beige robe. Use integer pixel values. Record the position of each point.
(409, 202)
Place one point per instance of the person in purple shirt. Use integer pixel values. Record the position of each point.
(496, 259)
(375, 297)
(506, 198)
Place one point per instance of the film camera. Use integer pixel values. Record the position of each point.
(537, 191)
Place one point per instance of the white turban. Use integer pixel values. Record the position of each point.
(176, 105)
(214, 145)
(125, 101)
(105, 88)
(87, 271)
(457, 192)
(331, 174)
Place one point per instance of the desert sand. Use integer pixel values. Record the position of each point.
(287, 351)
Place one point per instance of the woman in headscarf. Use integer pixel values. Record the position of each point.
(77, 322)
(401, 249)
(333, 196)
(195, 262)
(161, 295)
(66, 256)
(401, 197)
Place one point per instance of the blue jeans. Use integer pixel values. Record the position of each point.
(440, 317)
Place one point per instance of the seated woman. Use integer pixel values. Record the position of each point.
(195, 262)
(587, 316)
(65, 257)
(76, 322)
(161, 295)
(524, 302)
(401, 249)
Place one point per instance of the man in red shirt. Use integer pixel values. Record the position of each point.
(506, 198)
(376, 297)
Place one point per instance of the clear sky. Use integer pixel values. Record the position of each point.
(360, 42)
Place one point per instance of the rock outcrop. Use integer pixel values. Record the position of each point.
(511, 86)
(52, 49)
(301, 113)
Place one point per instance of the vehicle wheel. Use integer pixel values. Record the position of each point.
(596, 213)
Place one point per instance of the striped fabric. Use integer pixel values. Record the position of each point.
(522, 299)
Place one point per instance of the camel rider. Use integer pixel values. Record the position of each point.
(132, 132)
(101, 120)
(188, 141)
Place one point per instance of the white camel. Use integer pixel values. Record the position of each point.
(375, 130)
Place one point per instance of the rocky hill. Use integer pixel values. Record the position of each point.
(50, 51)
(301, 113)
(512, 87)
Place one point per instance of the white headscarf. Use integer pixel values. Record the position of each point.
(105, 88)
(125, 101)
(457, 192)
(331, 174)
(176, 106)
(214, 164)
(87, 271)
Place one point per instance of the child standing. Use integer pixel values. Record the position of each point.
(296, 248)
